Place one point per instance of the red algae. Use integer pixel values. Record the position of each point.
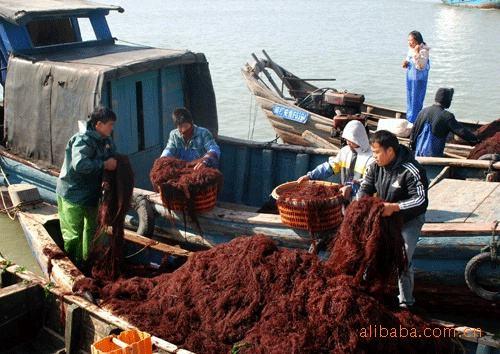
(251, 295)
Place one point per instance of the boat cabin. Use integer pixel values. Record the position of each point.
(63, 57)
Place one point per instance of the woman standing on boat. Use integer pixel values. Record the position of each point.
(78, 188)
(417, 67)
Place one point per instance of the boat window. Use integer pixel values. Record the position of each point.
(140, 115)
(51, 31)
(86, 29)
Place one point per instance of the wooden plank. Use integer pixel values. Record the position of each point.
(155, 245)
(445, 172)
(291, 138)
(317, 141)
(72, 328)
(488, 210)
(479, 164)
(456, 229)
(454, 200)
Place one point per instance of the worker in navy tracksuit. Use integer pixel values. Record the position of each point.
(402, 183)
(434, 123)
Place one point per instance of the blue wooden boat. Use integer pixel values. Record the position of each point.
(65, 79)
(85, 322)
(484, 4)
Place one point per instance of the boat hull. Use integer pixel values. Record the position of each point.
(484, 4)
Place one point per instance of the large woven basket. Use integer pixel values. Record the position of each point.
(329, 217)
(204, 201)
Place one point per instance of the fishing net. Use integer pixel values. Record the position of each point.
(250, 296)
(118, 186)
(369, 247)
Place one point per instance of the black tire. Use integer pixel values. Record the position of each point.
(470, 277)
(146, 216)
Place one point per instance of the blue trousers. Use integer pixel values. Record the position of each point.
(411, 234)
(416, 86)
(415, 95)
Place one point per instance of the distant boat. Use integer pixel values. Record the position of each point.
(485, 4)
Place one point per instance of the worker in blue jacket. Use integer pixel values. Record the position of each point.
(434, 123)
(190, 142)
(78, 190)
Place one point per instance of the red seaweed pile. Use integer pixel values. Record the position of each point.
(490, 145)
(252, 297)
(178, 180)
(488, 130)
(369, 247)
(321, 205)
(118, 187)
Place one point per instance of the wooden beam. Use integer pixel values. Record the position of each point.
(317, 141)
(479, 164)
(457, 229)
(72, 328)
(455, 156)
(445, 172)
(155, 245)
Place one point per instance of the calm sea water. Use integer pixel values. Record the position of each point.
(360, 43)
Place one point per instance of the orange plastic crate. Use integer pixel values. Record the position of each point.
(132, 342)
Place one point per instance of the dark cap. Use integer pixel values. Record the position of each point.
(444, 97)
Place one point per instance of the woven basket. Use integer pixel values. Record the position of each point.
(328, 217)
(204, 201)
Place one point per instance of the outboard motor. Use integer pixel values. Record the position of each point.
(344, 102)
(340, 106)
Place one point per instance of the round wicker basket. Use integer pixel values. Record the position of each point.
(293, 213)
(204, 201)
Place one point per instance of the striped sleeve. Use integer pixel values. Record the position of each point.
(416, 189)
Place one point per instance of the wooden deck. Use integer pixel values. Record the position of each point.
(457, 201)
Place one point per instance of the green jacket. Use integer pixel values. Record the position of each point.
(80, 178)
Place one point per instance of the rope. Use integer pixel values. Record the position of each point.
(16, 208)
(254, 118)
(6, 209)
(3, 172)
(153, 243)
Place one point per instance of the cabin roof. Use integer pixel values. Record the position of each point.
(115, 61)
(20, 12)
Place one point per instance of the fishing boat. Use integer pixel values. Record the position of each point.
(84, 322)
(41, 315)
(483, 4)
(143, 85)
(53, 319)
(314, 116)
